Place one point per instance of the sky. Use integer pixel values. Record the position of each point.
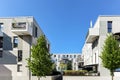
(64, 22)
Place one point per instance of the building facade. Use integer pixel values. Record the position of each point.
(95, 40)
(17, 35)
(75, 58)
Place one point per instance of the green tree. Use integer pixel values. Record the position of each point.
(111, 54)
(40, 63)
(69, 65)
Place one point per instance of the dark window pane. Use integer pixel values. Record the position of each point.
(15, 42)
(109, 30)
(1, 54)
(109, 26)
(19, 68)
(74, 56)
(1, 27)
(1, 42)
(19, 55)
(35, 31)
(54, 55)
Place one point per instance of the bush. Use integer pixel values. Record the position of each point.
(56, 73)
(75, 73)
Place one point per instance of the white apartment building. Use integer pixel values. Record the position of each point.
(17, 35)
(76, 58)
(95, 41)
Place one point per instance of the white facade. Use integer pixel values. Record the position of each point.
(87, 53)
(18, 35)
(74, 57)
(95, 40)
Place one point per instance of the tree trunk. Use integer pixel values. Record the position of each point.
(38, 78)
(112, 77)
(112, 74)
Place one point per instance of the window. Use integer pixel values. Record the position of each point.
(58, 56)
(70, 56)
(1, 42)
(19, 55)
(63, 56)
(54, 55)
(109, 23)
(58, 68)
(1, 27)
(36, 32)
(48, 47)
(74, 68)
(67, 55)
(15, 41)
(19, 68)
(74, 64)
(1, 54)
(74, 56)
(95, 57)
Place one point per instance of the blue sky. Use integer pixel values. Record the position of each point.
(65, 22)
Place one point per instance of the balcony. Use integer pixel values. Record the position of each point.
(1, 33)
(21, 28)
(93, 33)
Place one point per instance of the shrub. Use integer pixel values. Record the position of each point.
(75, 73)
(56, 73)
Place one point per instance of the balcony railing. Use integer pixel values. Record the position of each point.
(92, 34)
(21, 28)
(19, 25)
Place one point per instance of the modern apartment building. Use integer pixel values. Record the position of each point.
(75, 58)
(17, 35)
(95, 40)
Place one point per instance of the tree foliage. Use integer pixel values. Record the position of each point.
(69, 65)
(40, 63)
(111, 54)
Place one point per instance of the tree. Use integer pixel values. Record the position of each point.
(111, 54)
(69, 65)
(40, 63)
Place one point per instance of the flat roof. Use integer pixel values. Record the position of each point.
(16, 17)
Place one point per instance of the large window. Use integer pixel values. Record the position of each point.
(19, 68)
(1, 27)
(1, 54)
(109, 23)
(1, 42)
(15, 41)
(19, 55)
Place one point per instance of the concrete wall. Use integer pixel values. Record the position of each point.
(88, 78)
(43, 78)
